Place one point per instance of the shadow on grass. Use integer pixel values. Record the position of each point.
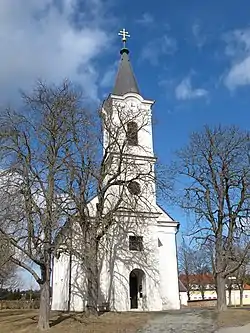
(61, 317)
(82, 318)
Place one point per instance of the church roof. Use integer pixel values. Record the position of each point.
(125, 80)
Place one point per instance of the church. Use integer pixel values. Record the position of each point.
(138, 265)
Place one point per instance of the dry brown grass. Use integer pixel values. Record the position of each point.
(234, 317)
(25, 321)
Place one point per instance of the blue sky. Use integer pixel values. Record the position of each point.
(192, 57)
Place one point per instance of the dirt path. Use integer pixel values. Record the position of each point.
(184, 321)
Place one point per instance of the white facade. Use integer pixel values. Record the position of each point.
(144, 279)
(211, 294)
(183, 298)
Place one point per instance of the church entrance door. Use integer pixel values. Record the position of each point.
(137, 289)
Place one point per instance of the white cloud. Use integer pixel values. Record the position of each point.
(108, 78)
(146, 19)
(40, 40)
(185, 91)
(239, 74)
(238, 50)
(158, 47)
(200, 39)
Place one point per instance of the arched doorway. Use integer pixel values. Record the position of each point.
(137, 289)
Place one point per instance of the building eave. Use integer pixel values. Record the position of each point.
(134, 95)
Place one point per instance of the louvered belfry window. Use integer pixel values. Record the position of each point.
(132, 133)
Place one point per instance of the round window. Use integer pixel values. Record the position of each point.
(134, 188)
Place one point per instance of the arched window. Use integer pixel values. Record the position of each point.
(132, 133)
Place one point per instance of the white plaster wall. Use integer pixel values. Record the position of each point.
(104, 278)
(121, 301)
(78, 286)
(131, 107)
(168, 268)
(153, 295)
(60, 286)
(208, 294)
(235, 297)
(146, 201)
(184, 298)
(124, 261)
(158, 263)
(211, 294)
(150, 289)
(140, 159)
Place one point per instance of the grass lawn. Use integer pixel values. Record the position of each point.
(234, 317)
(26, 321)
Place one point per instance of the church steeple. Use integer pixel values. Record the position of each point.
(125, 80)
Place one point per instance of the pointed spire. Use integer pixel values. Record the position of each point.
(125, 79)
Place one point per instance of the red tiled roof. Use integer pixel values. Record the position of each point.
(197, 279)
(201, 279)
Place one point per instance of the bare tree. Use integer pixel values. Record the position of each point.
(52, 165)
(121, 186)
(34, 143)
(213, 170)
(195, 268)
(203, 270)
(186, 266)
(8, 270)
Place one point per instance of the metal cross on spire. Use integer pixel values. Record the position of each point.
(124, 35)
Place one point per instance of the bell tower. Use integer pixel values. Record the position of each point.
(129, 126)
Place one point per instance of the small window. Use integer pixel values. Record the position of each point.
(135, 243)
(134, 188)
(132, 133)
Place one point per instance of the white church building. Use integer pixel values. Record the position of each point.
(139, 265)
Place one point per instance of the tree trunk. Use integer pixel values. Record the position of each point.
(92, 279)
(44, 311)
(229, 295)
(241, 296)
(202, 292)
(221, 293)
